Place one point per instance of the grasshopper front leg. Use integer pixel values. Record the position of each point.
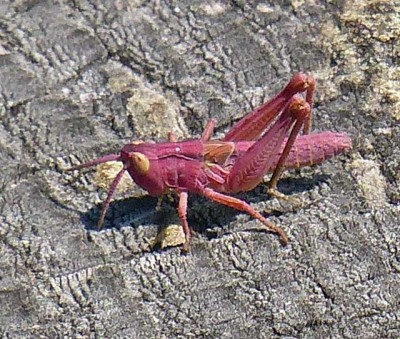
(182, 212)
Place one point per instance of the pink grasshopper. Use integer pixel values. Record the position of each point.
(237, 163)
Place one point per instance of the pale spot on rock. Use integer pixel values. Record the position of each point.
(371, 182)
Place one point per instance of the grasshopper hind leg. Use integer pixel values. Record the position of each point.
(245, 207)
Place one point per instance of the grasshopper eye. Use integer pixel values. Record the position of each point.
(140, 162)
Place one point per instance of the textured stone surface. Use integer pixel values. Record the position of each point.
(80, 79)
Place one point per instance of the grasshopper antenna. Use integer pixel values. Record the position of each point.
(106, 158)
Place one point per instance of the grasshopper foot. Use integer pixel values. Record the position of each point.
(185, 248)
(283, 238)
(294, 201)
(273, 192)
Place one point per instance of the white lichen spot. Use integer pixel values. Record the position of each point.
(371, 182)
(264, 8)
(66, 91)
(87, 97)
(3, 51)
(296, 4)
(213, 8)
(384, 131)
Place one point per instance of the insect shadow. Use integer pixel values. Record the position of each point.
(131, 211)
(203, 214)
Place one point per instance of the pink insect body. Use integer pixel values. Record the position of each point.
(265, 141)
(172, 166)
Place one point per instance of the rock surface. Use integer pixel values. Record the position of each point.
(80, 79)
